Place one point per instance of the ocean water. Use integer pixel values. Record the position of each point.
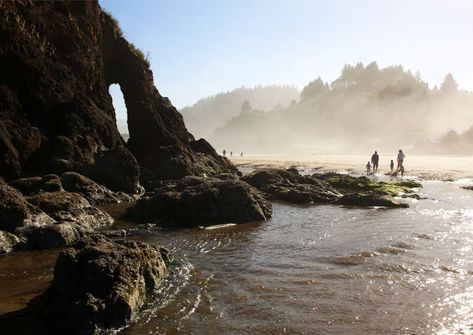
(315, 269)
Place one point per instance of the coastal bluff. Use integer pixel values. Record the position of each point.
(58, 60)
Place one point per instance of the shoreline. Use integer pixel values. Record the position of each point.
(444, 168)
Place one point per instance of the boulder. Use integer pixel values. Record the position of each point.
(14, 209)
(31, 185)
(71, 207)
(9, 242)
(96, 194)
(368, 200)
(289, 185)
(53, 236)
(194, 201)
(101, 284)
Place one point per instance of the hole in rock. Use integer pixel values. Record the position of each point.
(120, 110)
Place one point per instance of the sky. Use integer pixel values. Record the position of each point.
(199, 48)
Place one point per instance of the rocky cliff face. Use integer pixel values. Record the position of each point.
(57, 61)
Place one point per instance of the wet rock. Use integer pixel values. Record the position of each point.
(9, 242)
(347, 184)
(31, 185)
(14, 209)
(194, 201)
(301, 193)
(96, 194)
(409, 184)
(101, 284)
(53, 236)
(71, 207)
(368, 200)
(290, 186)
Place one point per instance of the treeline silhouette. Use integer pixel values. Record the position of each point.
(366, 107)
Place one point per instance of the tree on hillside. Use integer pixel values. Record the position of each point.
(314, 88)
(449, 85)
(245, 107)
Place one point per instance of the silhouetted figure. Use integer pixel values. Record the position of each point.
(400, 159)
(231, 153)
(224, 152)
(402, 171)
(368, 168)
(375, 161)
(241, 155)
(391, 166)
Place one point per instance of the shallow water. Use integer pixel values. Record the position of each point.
(322, 270)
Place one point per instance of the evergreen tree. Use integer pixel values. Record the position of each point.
(314, 88)
(245, 107)
(449, 85)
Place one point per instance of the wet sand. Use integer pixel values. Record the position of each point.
(425, 167)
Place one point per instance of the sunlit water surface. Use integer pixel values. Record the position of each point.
(322, 270)
(325, 270)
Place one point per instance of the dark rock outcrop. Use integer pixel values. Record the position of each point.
(57, 60)
(54, 235)
(14, 209)
(71, 207)
(290, 186)
(31, 185)
(194, 201)
(101, 284)
(96, 194)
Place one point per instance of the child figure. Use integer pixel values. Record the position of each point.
(402, 171)
(391, 166)
(368, 168)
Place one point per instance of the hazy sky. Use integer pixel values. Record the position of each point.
(199, 48)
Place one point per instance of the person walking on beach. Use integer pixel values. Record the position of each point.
(241, 155)
(368, 168)
(231, 153)
(224, 152)
(402, 171)
(400, 159)
(375, 161)
(391, 166)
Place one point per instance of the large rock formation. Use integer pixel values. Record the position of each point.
(290, 186)
(57, 61)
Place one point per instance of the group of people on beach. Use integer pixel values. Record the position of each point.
(372, 166)
(231, 153)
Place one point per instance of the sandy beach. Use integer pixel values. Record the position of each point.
(424, 167)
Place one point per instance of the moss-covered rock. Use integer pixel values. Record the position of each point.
(289, 185)
(347, 184)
